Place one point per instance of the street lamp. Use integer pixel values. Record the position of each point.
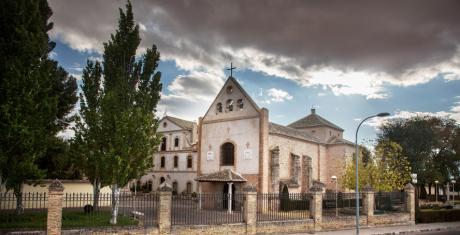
(334, 178)
(453, 190)
(357, 157)
(436, 190)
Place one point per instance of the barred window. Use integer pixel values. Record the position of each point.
(227, 154)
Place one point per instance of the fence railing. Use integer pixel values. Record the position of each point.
(340, 204)
(80, 211)
(207, 208)
(389, 202)
(278, 207)
(32, 215)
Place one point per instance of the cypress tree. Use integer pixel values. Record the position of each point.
(36, 95)
(121, 134)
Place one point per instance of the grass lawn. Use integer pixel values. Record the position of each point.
(70, 219)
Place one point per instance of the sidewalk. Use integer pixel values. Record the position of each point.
(404, 229)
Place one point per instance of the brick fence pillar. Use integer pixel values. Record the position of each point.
(55, 198)
(164, 215)
(250, 209)
(410, 201)
(368, 203)
(316, 206)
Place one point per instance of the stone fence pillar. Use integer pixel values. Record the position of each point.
(368, 203)
(164, 214)
(250, 209)
(55, 198)
(410, 201)
(316, 206)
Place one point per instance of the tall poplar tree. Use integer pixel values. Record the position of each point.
(36, 95)
(125, 125)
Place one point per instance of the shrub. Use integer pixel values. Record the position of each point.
(438, 215)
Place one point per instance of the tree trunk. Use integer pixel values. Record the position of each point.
(429, 189)
(18, 195)
(115, 201)
(96, 192)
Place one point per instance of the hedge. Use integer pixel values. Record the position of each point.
(441, 215)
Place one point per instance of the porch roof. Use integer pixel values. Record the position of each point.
(226, 175)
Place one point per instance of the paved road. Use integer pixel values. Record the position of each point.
(450, 232)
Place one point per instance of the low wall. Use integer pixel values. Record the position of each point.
(112, 231)
(391, 219)
(339, 223)
(233, 229)
(292, 226)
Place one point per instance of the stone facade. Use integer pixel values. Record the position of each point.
(271, 156)
(172, 161)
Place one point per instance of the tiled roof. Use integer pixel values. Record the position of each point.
(181, 122)
(336, 140)
(288, 131)
(226, 175)
(313, 120)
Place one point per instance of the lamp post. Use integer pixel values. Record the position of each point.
(436, 190)
(357, 173)
(334, 178)
(453, 190)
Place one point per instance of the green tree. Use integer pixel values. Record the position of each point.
(36, 95)
(124, 114)
(429, 144)
(88, 144)
(386, 170)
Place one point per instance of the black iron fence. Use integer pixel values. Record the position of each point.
(278, 207)
(81, 210)
(340, 204)
(207, 208)
(30, 214)
(389, 202)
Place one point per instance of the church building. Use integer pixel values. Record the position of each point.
(236, 144)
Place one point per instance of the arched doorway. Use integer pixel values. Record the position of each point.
(225, 196)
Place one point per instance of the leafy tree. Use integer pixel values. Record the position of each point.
(36, 95)
(386, 170)
(123, 124)
(429, 144)
(88, 144)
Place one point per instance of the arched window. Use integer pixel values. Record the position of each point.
(174, 188)
(189, 187)
(176, 141)
(176, 161)
(240, 104)
(229, 105)
(162, 162)
(162, 179)
(189, 162)
(219, 108)
(227, 152)
(163, 144)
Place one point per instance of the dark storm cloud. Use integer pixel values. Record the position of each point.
(378, 36)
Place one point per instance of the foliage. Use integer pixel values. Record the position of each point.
(117, 124)
(36, 95)
(386, 170)
(430, 144)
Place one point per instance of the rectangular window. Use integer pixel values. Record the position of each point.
(189, 162)
(176, 142)
(162, 163)
(176, 161)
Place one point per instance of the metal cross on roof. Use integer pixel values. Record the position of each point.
(231, 69)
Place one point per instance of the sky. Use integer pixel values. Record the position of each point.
(347, 59)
